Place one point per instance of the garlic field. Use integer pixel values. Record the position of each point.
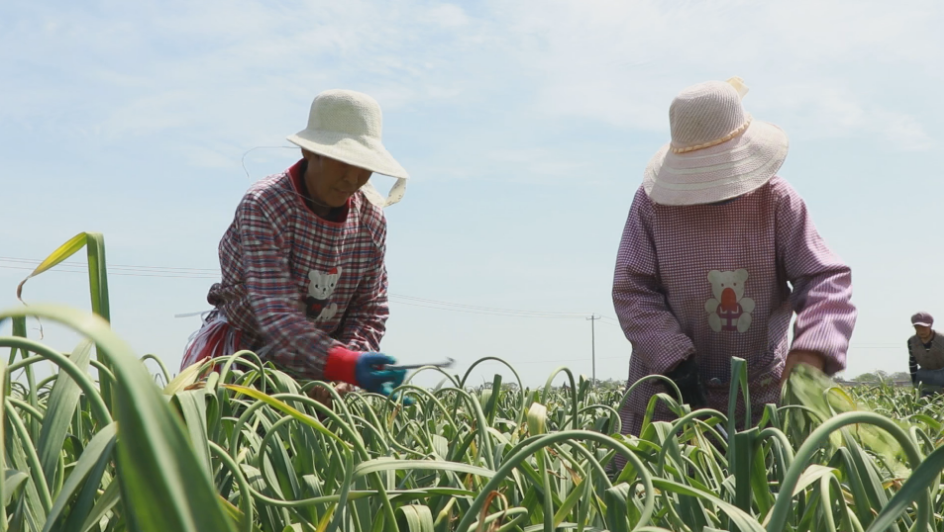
(101, 446)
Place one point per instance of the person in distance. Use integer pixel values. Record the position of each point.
(926, 355)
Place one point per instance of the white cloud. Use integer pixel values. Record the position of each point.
(537, 90)
(448, 15)
(243, 72)
(622, 62)
(905, 132)
(222, 67)
(207, 158)
(816, 111)
(521, 163)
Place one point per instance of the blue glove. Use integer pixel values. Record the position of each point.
(372, 377)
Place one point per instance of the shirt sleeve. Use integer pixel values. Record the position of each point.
(365, 320)
(640, 301)
(912, 365)
(291, 340)
(822, 285)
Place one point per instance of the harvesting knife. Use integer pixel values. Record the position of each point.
(448, 363)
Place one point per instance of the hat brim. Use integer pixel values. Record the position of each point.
(361, 152)
(921, 324)
(718, 173)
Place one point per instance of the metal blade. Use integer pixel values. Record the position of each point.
(448, 363)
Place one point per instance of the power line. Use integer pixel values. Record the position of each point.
(611, 321)
(61, 270)
(207, 273)
(565, 360)
(116, 266)
(449, 308)
(174, 272)
(476, 309)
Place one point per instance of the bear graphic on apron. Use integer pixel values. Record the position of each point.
(729, 310)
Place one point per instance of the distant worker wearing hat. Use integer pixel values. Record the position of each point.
(926, 353)
(304, 281)
(717, 255)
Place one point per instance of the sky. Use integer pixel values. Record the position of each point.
(525, 126)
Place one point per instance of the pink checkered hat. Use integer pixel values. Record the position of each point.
(718, 151)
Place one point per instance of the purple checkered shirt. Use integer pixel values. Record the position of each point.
(713, 280)
(297, 285)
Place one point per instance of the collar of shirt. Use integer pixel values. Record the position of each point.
(930, 340)
(727, 201)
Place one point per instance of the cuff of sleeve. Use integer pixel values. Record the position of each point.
(341, 365)
(834, 359)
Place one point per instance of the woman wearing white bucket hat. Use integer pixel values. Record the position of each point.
(712, 240)
(304, 282)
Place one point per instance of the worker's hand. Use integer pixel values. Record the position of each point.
(323, 396)
(810, 358)
(364, 369)
(372, 377)
(685, 376)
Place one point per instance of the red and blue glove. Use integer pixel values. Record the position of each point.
(365, 370)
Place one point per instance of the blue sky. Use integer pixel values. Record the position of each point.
(525, 126)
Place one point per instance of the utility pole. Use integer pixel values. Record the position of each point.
(593, 344)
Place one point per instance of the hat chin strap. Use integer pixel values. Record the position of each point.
(397, 191)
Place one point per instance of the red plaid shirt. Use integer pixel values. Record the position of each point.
(713, 280)
(295, 284)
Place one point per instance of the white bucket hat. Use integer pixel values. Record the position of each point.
(347, 125)
(718, 151)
